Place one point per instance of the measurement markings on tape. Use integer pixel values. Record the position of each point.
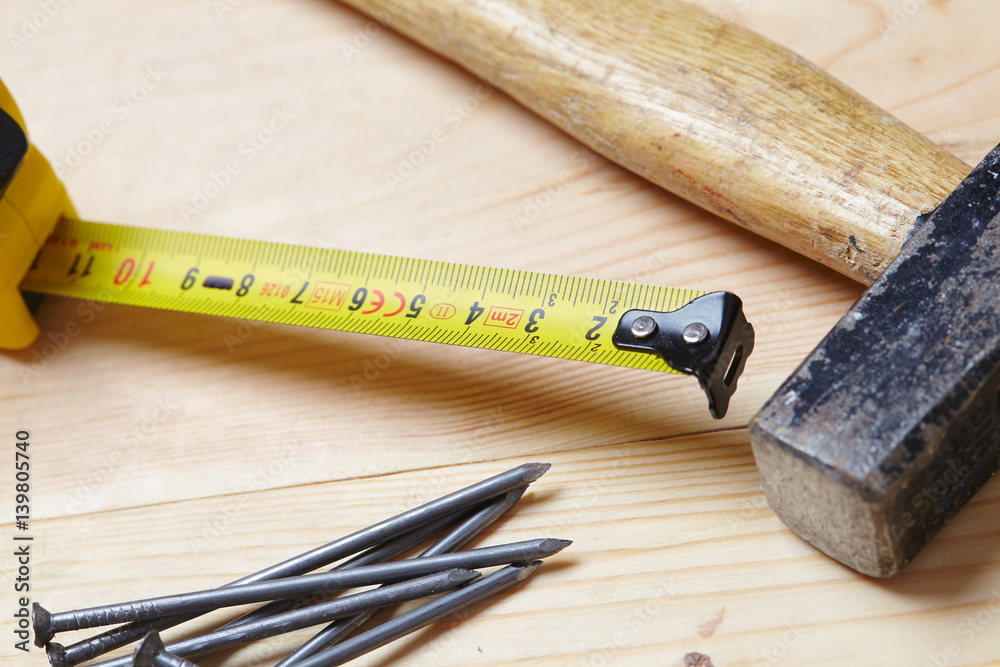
(500, 309)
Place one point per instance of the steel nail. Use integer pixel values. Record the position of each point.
(376, 554)
(455, 539)
(349, 605)
(290, 587)
(471, 527)
(421, 616)
(471, 495)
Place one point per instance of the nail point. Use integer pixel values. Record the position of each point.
(527, 569)
(554, 545)
(462, 575)
(515, 494)
(536, 470)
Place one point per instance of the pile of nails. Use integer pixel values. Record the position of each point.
(295, 600)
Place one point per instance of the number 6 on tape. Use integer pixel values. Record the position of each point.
(623, 324)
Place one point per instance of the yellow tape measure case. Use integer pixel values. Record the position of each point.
(33, 200)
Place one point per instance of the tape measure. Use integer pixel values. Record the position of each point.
(622, 324)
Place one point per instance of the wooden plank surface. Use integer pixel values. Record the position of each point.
(172, 452)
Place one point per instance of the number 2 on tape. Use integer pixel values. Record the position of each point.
(623, 324)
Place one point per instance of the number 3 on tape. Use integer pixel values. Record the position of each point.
(623, 324)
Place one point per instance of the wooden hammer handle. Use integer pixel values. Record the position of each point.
(708, 110)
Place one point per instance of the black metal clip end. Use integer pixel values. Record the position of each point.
(709, 338)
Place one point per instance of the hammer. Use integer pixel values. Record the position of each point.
(893, 422)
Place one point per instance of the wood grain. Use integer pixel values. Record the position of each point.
(151, 434)
(706, 109)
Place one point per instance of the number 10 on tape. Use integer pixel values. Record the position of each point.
(623, 324)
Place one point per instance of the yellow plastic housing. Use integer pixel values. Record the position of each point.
(32, 204)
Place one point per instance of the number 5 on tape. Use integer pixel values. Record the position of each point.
(623, 324)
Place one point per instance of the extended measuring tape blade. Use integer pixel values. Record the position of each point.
(705, 335)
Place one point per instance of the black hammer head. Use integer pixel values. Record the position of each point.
(893, 422)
